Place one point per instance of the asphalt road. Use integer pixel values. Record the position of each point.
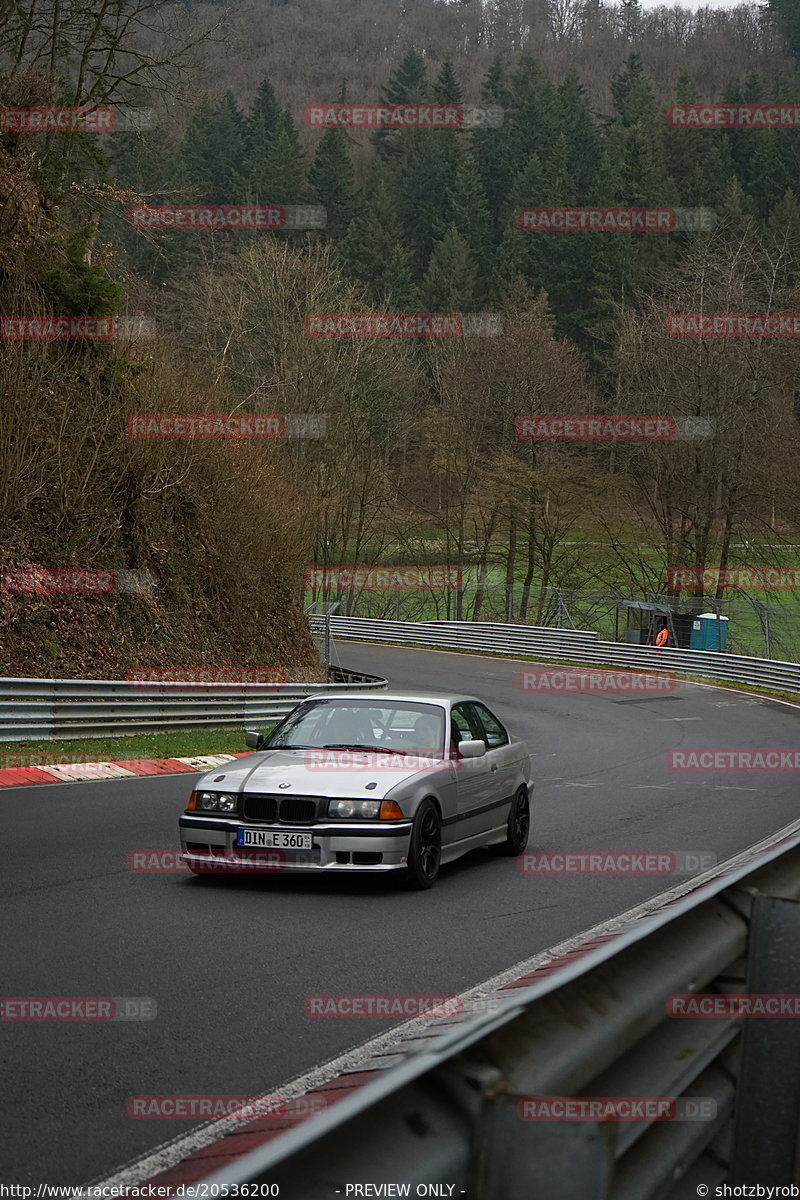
(230, 962)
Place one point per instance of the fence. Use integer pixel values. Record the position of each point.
(595, 1026)
(48, 709)
(65, 709)
(756, 626)
(562, 645)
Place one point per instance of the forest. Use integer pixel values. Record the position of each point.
(417, 456)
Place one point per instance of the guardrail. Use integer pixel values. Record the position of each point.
(596, 1026)
(565, 645)
(65, 709)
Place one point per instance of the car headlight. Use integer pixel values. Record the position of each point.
(219, 801)
(354, 808)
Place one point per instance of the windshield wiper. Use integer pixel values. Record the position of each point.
(380, 749)
(293, 746)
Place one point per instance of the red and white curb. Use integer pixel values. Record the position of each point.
(193, 1157)
(125, 769)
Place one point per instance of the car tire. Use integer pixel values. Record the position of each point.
(425, 848)
(519, 825)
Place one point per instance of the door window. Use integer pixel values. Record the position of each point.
(464, 724)
(495, 733)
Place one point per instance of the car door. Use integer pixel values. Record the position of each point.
(503, 762)
(474, 776)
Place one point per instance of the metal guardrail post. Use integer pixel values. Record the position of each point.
(550, 1160)
(768, 1097)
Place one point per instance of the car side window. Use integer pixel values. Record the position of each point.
(459, 726)
(496, 734)
(464, 725)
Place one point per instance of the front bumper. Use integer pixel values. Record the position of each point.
(355, 846)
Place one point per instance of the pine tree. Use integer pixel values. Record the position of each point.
(558, 262)
(395, 287)
(210, 167)
(718, 169)
(426, 166)
(265, 117)
(518, 255)
(736, 212)
(578, 125)
(739, 141)
(446, 89)
(533, 114)
(635, 140)
(685, 150)
(639, 155)
(470, 215)
(786, 14)
(407, 85)
(450, 281)
(633, 93)
(139, 160)
(770, 174)
(783, 233)
(285, 175)
(213, 155)
(613, 265)
(372, 250)
(331, 182)
(140, 164)
(491, 149)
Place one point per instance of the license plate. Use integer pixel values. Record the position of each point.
(274, 839)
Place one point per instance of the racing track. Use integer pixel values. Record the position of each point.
(230, 962)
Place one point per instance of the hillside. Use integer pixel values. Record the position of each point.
(205, 540)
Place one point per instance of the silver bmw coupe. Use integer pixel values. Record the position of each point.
(364, 783)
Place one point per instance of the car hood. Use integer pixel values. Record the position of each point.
(325, 773)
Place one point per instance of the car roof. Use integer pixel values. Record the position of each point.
(445, 699)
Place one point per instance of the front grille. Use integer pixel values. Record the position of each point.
(295, 809)
(288, 810)
(260, 808)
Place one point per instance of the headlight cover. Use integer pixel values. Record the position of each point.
(216, 801)
(357, 810)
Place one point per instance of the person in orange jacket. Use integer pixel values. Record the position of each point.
(663, 636)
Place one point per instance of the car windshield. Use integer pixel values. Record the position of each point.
(396, 726)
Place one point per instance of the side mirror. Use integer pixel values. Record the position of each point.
(253, 739)
(472, 749)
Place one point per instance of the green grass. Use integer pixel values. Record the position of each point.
(178, 743)
(595, 569)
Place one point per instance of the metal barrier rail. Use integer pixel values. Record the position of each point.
(574, 646)
(596, 1026)
(48, 709)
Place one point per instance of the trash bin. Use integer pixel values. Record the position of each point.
(709, 632)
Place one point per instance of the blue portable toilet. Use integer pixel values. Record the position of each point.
(709, 632)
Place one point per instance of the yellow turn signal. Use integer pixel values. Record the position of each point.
(192, 805)
(390, 811)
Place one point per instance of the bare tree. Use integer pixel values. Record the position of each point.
(694, 496)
